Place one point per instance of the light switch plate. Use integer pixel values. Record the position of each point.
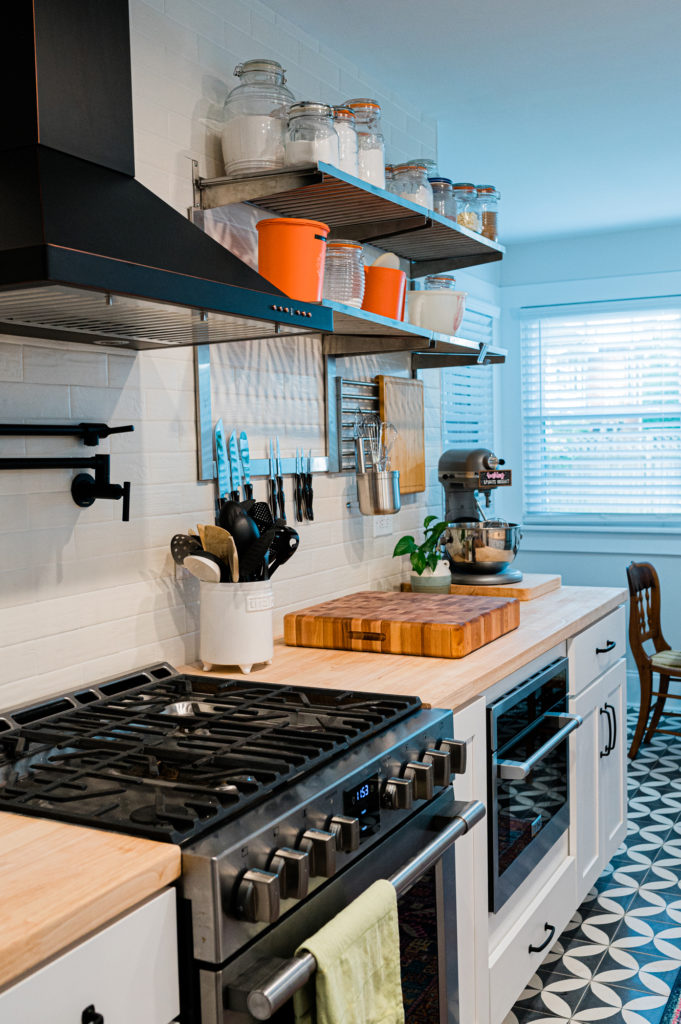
(383, 526)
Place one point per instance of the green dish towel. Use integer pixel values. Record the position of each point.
(357, 980)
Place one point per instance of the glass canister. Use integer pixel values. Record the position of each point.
(443, 200)
(467, 210)
(430, 165)
(311, 135)
(345, 123)
(488, 203)
(344, 272)
(370, 143)
(410, 182)
(255, 113)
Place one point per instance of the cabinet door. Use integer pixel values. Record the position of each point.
(586, 745)
(613, 767)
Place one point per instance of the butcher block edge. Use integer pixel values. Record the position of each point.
(424, 625)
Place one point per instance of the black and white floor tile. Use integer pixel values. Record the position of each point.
(619, 956)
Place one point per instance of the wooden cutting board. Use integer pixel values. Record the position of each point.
(430, 625)
(400, 402)
(531, 586)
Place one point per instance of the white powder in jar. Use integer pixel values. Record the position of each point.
(253, 142)
(371, 165)
(422, 196)
(309, 151)
(347, 148)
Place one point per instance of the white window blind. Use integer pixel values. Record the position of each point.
(601, 392)
(468, 392)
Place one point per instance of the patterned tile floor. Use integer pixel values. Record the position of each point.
(619, 956)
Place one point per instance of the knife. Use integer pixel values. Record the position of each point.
(307, 488)
(246, 464)
(273, 483)
(298, 489)
(234, 469)
(221, 459)
(280, 485)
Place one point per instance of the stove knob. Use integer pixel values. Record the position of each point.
(398, 794)
(293, 869)
(321, 849)
(458, 754)
(442, 765)
(422, 776)
(257, 896)
(346, 831)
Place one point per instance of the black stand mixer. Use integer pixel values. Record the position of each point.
(479, 550)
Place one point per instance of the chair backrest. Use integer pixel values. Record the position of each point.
(644, 610)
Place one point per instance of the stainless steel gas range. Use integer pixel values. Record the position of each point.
(287, 802)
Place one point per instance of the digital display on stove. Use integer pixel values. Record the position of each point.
(362, 801)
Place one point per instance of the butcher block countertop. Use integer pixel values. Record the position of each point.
(442, 682)
(59, 882)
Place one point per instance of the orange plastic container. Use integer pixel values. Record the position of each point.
(291, 255)
(385, 291)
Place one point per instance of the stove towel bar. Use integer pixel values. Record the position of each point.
(263, 1002)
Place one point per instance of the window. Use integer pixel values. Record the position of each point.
(601, 390)
(468, 393)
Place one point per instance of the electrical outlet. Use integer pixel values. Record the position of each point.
(383, 526)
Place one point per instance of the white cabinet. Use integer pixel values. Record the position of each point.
(598, 775)
(127, 972)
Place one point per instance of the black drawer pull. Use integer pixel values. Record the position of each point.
(610, 645)
(551, 929)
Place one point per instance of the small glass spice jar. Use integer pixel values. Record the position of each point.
(344, 272)
(254, 133)
(311, 135)
(344, 120)
(370, 142)
(443, 200)
(488, 204)
(467, 211)
(410, 182)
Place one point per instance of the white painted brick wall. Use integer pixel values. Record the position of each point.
(83, 595)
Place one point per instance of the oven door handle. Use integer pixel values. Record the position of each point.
(264, 1001)
(521, 769)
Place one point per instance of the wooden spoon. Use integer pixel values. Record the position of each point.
(221, 543)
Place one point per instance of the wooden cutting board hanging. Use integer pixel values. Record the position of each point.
(400, 401)
(430, 625)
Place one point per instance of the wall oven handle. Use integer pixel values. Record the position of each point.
(521, 769)
(264, 1001)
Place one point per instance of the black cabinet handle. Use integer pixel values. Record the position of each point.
(551, 929)
(613, 742)
(608, 745)
(90, 1016)
(610, 645)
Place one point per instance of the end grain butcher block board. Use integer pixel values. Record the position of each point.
(431, 625)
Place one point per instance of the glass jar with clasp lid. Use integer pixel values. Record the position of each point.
(344, 272)
(255, 114)
(443, 200)
(370, 142)
(311, 135)
(344, 120)
(410, 182)
(488, 204)
(467, 211)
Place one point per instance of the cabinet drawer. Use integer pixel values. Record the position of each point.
(127, 971)
(596, 649)
(512, 964)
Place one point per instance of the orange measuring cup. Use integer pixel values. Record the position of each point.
(291, 255)
(385, 292)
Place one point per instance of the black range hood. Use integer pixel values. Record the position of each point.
(87, 253)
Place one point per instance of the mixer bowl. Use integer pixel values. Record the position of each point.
(481, 547)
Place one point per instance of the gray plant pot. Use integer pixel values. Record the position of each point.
(430, 584)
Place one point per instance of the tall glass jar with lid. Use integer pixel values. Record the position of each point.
(344, 272)
(370, 142)
(346, 128)
(410, 182)
(443, 201)
(311, 135)
(488, 204)
(255, 114)
(467, 211)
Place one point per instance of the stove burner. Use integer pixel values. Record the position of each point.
(171, 756)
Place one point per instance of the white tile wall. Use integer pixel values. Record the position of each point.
(83, 595)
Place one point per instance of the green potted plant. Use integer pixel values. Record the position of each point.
(430, 574)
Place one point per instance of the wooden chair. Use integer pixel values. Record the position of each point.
(644, 625)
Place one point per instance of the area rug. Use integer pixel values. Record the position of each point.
(419, 952)
(672, 1011)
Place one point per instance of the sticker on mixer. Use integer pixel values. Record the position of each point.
(494, 478)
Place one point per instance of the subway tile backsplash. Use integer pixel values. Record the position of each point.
(83, 595)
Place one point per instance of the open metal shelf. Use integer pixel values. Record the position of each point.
(354, 209)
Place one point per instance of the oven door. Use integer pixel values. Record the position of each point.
(529, 778)
(418, 857)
